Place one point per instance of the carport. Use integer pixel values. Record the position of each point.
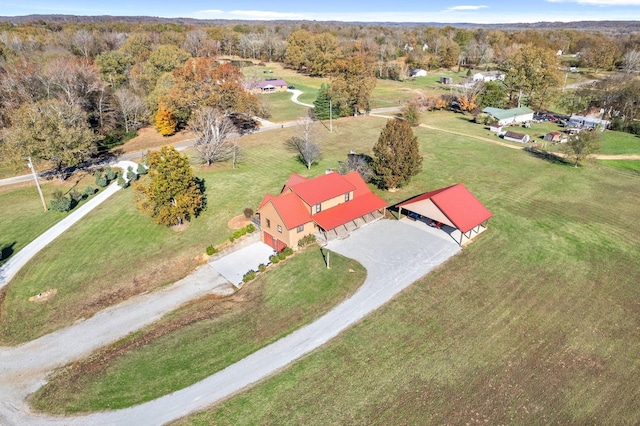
(454, 209)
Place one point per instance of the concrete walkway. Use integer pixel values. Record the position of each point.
(395, 255)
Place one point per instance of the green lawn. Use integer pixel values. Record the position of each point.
(128, 254)
(203, 338)
(633, 165)
(619, 143)
(535, 322)
(23, 216)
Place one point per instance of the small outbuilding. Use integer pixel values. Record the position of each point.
(516, 137)
(556, 137)
(446, 80)
(488, 76)
(453, 209)
(510, 116)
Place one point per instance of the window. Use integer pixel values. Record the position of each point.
(268, 223)
(346, 197)
(318, 208)
(300, 228)
(280, 229)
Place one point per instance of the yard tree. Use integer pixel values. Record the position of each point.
(215, 135)
(581, 145)
(304, 144)
(322, 104)
(299, 45)
(53, 131)
(532, 72)
(601, 55)
(411, 112)
(170, 194)
(352, 84)
(492, 94)
(396, 155)
(165, 121)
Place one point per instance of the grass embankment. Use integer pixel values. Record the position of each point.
(204, 337)
(23, 216)
(115, 252)
(535, 322)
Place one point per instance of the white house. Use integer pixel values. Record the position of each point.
(516, 137)
(510, 116)
(488, 76)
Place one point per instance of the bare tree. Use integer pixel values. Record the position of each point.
(194, 42)
(131, 108)
(631, 61)
(304, 144)
(215, 134)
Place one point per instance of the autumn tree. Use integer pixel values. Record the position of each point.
(165, 121)
(215, 135)
(53, 131)
(114, 67)
(299, 44)
(396, 155)
(170, 194)
(352, 84)
(304, 144)
(601, 55)
(581, 145)
(532, 72)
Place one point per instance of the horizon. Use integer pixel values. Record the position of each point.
(411, 11)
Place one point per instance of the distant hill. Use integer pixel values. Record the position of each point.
(605, 26)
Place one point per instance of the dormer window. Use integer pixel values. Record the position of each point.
(346, 196)
(318, 208)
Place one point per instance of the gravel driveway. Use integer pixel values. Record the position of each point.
(395, 255)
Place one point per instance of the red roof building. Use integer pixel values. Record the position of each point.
(454, 206)
(331, 204)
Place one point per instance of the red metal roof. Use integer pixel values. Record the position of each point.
(291, 209)
(456, 202)
(265, 200)
(348, 211)
(322, 188)
(293, 180)
(356, 180)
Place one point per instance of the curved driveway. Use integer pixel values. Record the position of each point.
(395, 254)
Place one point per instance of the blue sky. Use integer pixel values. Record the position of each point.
(475, 11)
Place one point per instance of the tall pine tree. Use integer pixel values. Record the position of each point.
(322, 104)
(396, 155)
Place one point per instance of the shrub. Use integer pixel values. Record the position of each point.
(274, 259)
(211, 250)
(89, 190)
(101, 180)
(307, 239)
(262, 267)
(60, 203)
(109, 173)
(122, 182)
(232, 238)
(248, 212)
(287, 251)
(131, 175)
(76, 196)
(142, 170)
(248, 276)
(250, 228)
(282, 255)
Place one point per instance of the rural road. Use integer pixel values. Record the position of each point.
(394, 253)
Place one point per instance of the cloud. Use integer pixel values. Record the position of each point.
(245, 14)
(600, 2)
(455, 8)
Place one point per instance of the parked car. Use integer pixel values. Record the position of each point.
(291, 87)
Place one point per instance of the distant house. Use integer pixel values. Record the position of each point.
(488, 76)
(331, 205)
(269, 86)
(510, 116)
(556, 137)
(418, 72)
(453, 206)
(446, 80)
(587, 122)
(516, 137)
(495, 128)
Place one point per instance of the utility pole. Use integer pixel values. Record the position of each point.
(330, 115)
(35, 177)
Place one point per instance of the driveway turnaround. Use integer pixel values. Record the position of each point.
(395, 255)
(234, 265)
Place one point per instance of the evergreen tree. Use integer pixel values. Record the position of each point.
(396, 155)
(171, 193)
(322, 110)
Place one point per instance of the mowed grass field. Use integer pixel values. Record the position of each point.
(535, 322)
(204, 337)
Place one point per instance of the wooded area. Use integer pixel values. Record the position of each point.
(70, 90)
